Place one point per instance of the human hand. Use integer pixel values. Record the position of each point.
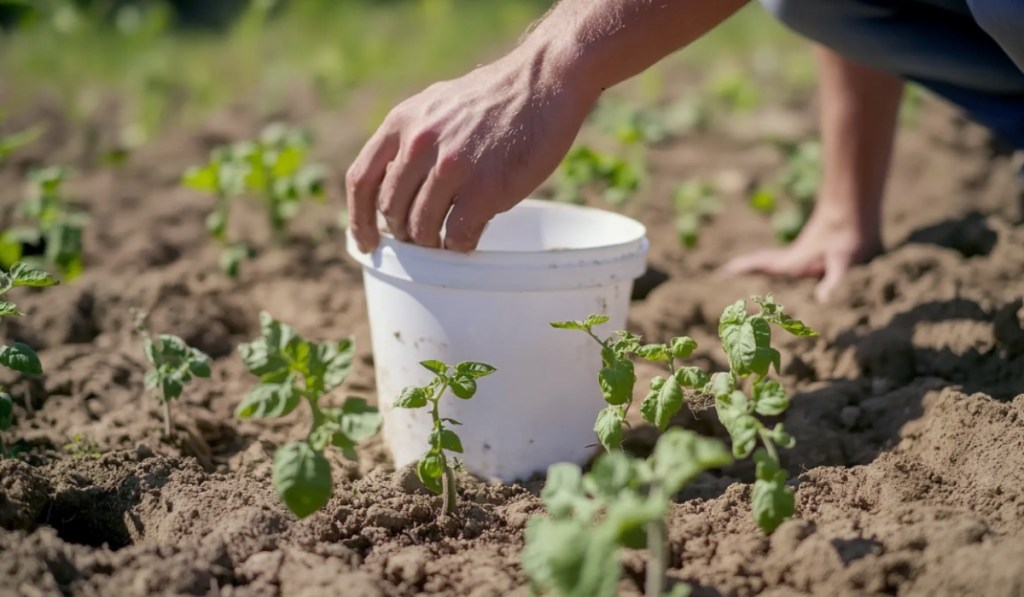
(827, 247)
(465, 150)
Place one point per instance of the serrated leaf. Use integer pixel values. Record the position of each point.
(781, 438)
(608, 427)
(680, 455)
(269, 401)
(463, 386)
(25, 275)
(617, 379)
(435, 366)
(659, 406)
(474, 369)
(9, 309)
(722, 385)
(732, 316)
(743, 431)
(568, 325)
(682, 347)
(794, 326)
(412, 398)
(21, 358)
(360, 420)
(770, 398)
(302, 477)
(595, 320)
(771, 500)
(691, 377)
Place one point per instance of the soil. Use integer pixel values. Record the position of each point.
(908, 409)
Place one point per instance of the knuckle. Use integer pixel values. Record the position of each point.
(449, 165)
(354, 179)
(422, 140)
(422, 234)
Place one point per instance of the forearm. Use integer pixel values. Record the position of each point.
(859, 114)
(595, 44)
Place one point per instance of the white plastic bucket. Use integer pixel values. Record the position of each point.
(537, 263)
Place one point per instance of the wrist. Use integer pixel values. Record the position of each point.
(555, 62)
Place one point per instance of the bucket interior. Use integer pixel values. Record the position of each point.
(544, 226)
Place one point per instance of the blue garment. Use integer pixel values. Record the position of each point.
(970, 52)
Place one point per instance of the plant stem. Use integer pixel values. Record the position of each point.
(448, 487)
(769, 445)
(3, 448)
(167, 418)
(656, 546)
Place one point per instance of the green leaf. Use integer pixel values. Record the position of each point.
(763, 200)
(682, 347)
(6, 412)
(691, 377)
(302, 477)
(269, 401)
(571, 558)
(10, 249)
(744, 435)
(617, 379)
(563, 489)
(446, 439)
(770, 398)
(328, 364)
(654, 352)
(412, 398)
(202, 178)
(722, 385)
(772, 501)
(474, 369)
(608, 427)
(25, 275)
(781, 438)
(660, 405)
(170, 387)
(21, 358)
(794, 326)
(595, 320)
(732, 316)
(680, 455)
(199, 363)
(360, 420)
(9, 309)
(436, 367)
(463, 386)
(748, 346)
(265, 355)
(585, 325)
(429, 469)
(611, 474)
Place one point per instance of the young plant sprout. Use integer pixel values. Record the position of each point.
(746, 340)
(273, 168)
(789, 200)
(53, 234)
(694, 203)
(434, 470)
(14, 141)
(585, 167)
(6, 420)
(293, 370)
(17, 356)
(174, 364)
(621, 502)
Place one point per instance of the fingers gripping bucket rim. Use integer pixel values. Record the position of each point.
(537, 263)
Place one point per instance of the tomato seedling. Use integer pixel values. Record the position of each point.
(18, 357)
(174, 364)
(746, 340)
(272, 167)
(53, 232)
(789, 200)
(293, 370)
(433, 469)
(585, 167)
(694, 204)
(621, 502)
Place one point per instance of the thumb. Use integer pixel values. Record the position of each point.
(766, 261)
(837, 265)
